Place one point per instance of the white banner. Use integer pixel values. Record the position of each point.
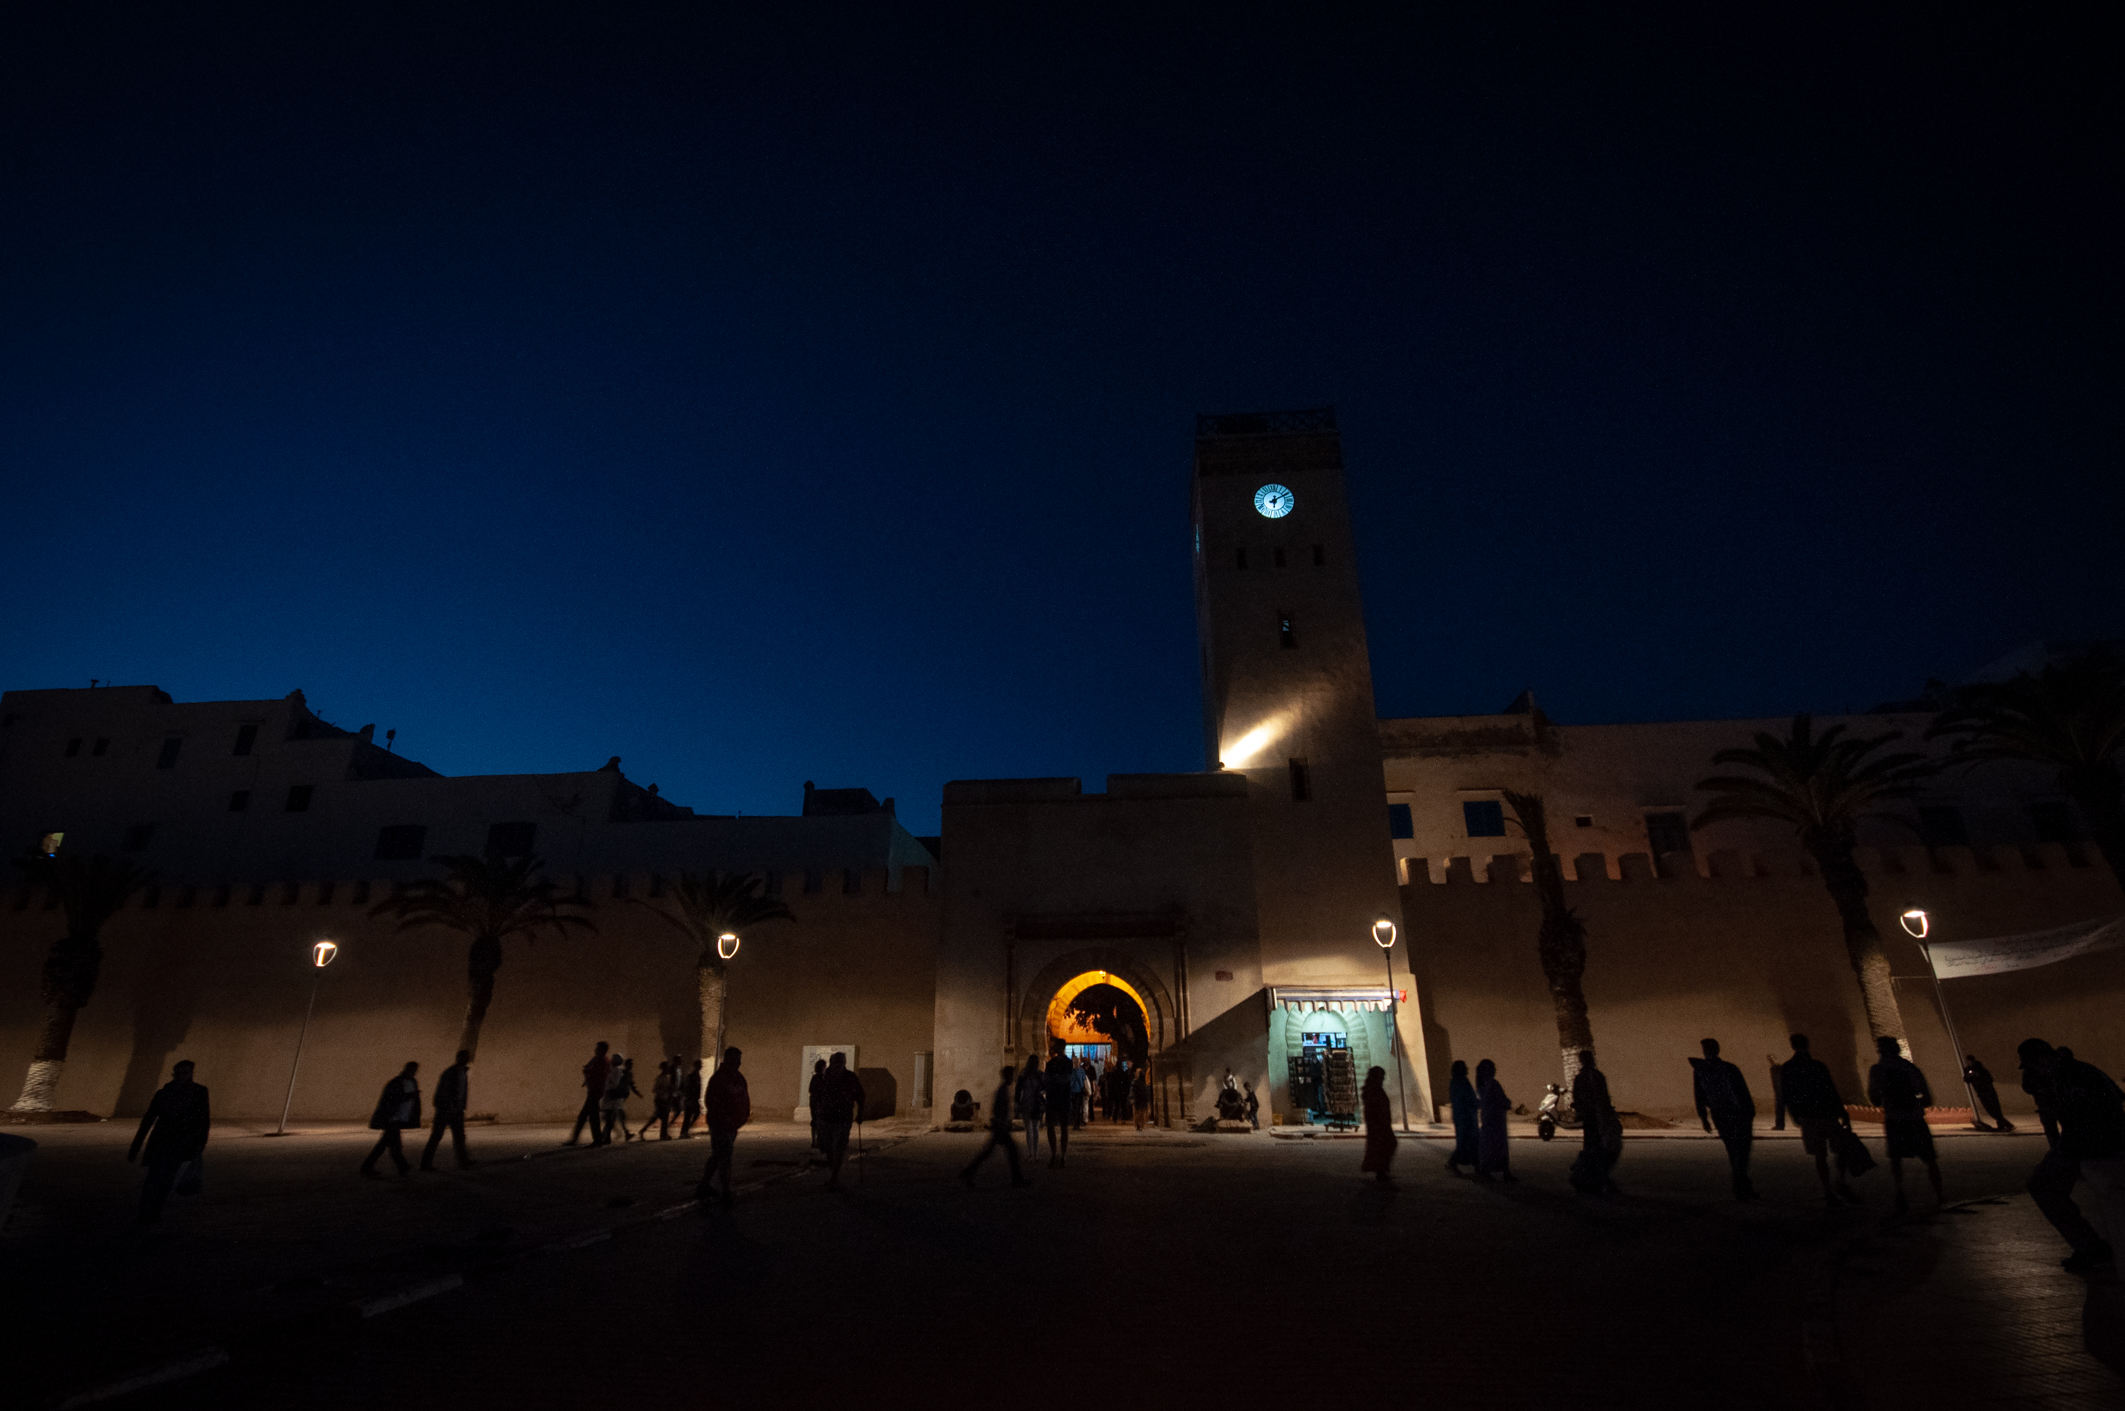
(1957, 960)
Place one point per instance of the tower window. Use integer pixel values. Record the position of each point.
(1667, 832)
(73, 747)
(246, 736)
(1301, 781)
(1239, 558)
(1286, 636)
(239, 801)
(170, 747)
(1484, 818)
(1399, 823)
(299, 798)
(103, 746)
(1279, 557)
(2051, 820)
(1320, 556)
(1584, 820)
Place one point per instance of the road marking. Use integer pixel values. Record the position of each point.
(204, 1360)
(412, 1293)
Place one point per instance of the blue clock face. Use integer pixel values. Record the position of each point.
(1274, 501)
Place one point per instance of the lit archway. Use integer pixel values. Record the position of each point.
(1068, 1026)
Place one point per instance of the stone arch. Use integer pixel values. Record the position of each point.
(1030, 1024)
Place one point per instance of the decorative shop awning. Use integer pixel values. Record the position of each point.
(1300, 999)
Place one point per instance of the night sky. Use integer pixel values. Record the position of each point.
(806, 393)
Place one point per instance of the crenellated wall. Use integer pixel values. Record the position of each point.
(221, 976)
(1747, 952)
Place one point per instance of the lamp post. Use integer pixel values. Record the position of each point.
(1916, 925)
(321, 955)
(1383, 935)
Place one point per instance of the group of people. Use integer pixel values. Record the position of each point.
(1480, 1109)
(836, 1096)
(609, 1081)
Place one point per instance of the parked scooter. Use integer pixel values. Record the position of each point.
(1556, 1111)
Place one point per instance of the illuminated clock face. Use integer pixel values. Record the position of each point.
(1274, 501)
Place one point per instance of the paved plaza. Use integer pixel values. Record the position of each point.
(1197, 1270)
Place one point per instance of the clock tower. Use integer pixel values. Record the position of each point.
(1287, 693)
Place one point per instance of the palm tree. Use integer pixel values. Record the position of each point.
(713, 905)
(488, 899)
(1823, 785)
(90, 892)
(2070, 717)
(1561, 942)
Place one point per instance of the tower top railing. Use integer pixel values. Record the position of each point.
(1289, 423)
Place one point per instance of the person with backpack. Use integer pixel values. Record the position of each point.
(397, 1108)
(1063, 1095)
(1900, 1090)
(1825, 1127)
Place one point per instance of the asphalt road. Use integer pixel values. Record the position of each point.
(1194, 1269)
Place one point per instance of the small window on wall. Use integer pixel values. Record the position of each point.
(103, 747)
(1278, 556)
(1667, 832)
(1286, 634)
(1320, 557)
(139, 836)
(73, 747)
(1399, 823)
(2052, 820)
(1484, 818)
(1301, 781)
(401, 842)
(511, 839)
(246, 736)
(299, 798)
(1941, 826)
(1239, 558)
(170, 748)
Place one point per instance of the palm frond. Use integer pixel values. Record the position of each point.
(1817, 783)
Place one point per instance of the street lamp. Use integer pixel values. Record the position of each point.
(1383, 936)
(321, 955)
(1917, 925)
(727, 944)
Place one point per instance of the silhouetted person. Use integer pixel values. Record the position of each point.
(1140, 1097)
(1900, 1090)
(175, 1130)
(1979, 1077)
(1778, 1092)
(1254, 1108)
(1461, 1102)
(619, 1086)
(1819, 1109)
(1080, 1092)
(837, 1096)
(727, 1106)
(1031, 1098)
(1493, 1156)
(2090, 1114)
(1601, 1130)
(999, 1135)
(689, 1101)
(397, 1108)
(452, 1092)
(1379, 1127)
(811, 1098)
(1059, 1083)
(1725, 1104)
(663, 1097)
(594, 1075)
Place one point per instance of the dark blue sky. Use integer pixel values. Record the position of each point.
(809, 394)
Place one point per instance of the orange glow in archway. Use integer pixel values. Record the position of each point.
(1065, 1026)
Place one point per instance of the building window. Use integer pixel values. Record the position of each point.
(246, 736)
(2053, 821)
(1301, 781)
(299, 798)
(1286, 636)
(1484, 818)
(239, 801)
(1399, 823)
(1941, 826)
(401, 842)
(1239, 558)
(1278, 555)
(139, 836)
(1320, 556)
(511, 839)
(103, 745)
(1584, 820)
(73, 747)
(1667, 832)
(170, 747)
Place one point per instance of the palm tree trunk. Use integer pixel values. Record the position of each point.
(41, 1087)
(482, 960)
(1560, 942)
(712, 986)
(1863, 944)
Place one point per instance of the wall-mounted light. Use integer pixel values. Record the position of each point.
(1383, 933)
(1916, 923)
(321, 954)
(727, 944)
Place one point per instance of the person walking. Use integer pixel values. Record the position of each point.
(1254, 1108)
(1461, 1097)
(1032, 1102)
(663, 1096)
(174, 1130)
(1064, 1090)
(1725, 1104)
(1979, 1077)
(1080, 1091)
(1000, 1129)
(689, 1101)
(726, 1107)
(837, 1097)
(1493, 1105)
(811, 1098)
(594, 1074)
(1900, 1090)
(397, 1108)
(1140, 1097)
(1601, 1130)
(452, 1092)
(2089, 1111)
(619, 1086)
(1379, 1127)
(1819, 1109)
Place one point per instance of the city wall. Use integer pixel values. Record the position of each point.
(222, 977)
(1751, 951)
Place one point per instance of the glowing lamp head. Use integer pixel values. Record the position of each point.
(727, 944)
(1916, 923)
(321, 954)
(1383, 933)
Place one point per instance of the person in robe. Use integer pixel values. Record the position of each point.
(1493, 1105)
(1379, 1126)
(1461, 1096)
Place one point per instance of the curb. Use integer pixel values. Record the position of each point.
(412, 1293)
(204, 1360)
